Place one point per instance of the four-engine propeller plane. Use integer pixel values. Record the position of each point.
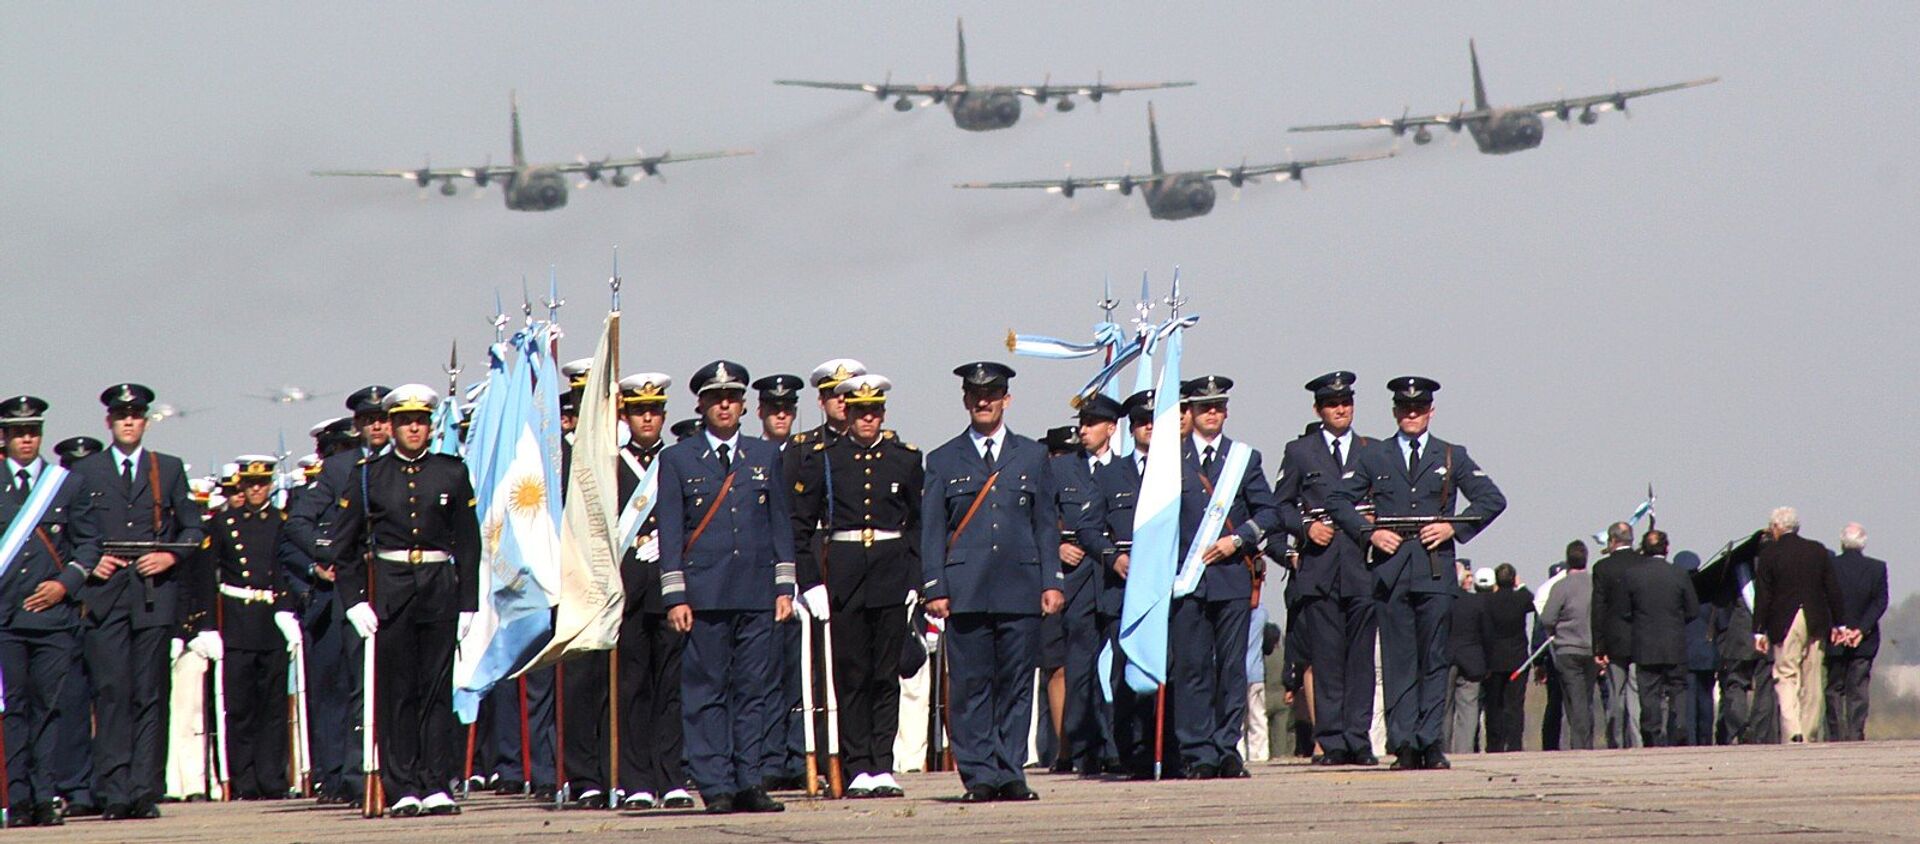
(982, 108)
(1500, 130)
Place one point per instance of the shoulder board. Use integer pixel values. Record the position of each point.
(799, 438)
(887, 434)
(909, 446)
(206, 542)
(819, 446)
(283, 515)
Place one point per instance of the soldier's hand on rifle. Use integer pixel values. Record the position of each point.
(1436, 534)
(1051, 601)
(155, 562)
(938, 607)
(107, 566)
(48, 594)
(782, 607)
(815, 599)
(1320, 533)
(680, 618)
(1221, 549)
(1071, 554)
(1121, 564)
(1387, 541)
(325, 573)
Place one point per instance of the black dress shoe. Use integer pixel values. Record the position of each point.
(1231, 768)
(1110, 766)
(756, 800)
(1203, 771)
(1406, 760)
(1364, 758)
(81, 810)
(545, 793)
(591, 800)
(718, 804)
(1330, 759)
(47, 813)
(677, 801)
(144, 810)
(1435, 760)
(1015, 792)
(1061, 766)
(981, 793)
(506, 786)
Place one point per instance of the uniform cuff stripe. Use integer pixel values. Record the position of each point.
(784, 574)
(673, 582)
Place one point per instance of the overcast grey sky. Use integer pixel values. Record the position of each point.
(1715, 296)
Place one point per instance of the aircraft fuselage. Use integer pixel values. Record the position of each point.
(984, 113)
(1179, 199)
(1507, 131)
(536, 189)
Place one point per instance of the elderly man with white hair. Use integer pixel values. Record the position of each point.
(1856, 636)
(1796, 601)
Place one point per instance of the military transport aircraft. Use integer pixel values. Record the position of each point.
(1499, 130)
(1181, 194)
(538, 187)
(981, 108)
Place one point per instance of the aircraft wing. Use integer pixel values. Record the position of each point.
(647, 163)
(1289, 169)
(1608, 102)
(1400, 124)
(1044, 92)
(882, 89)
(1066, 184)
(424, 175)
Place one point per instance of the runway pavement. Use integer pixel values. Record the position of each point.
(1806, 793)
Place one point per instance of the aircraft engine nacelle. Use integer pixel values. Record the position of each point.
(903, 104)
(1067, 189)
(650, 169)
(447, 188)
(1064, 104)
(620, 179)
(1589, 117)
(1422, 136)
(1126, 187)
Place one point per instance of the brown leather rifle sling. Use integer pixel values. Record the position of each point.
(979, 498)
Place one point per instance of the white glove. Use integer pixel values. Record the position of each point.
(913, 597)
(465, 624)
(816, 600)
(207, 644)
(289, 628)
(175, 647)
(364, 620)
(649, 550)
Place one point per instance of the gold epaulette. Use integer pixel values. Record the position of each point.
(819, 446)
(798, 438)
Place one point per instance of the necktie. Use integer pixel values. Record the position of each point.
(1413, 457)
(126, 472)
(1141, 466)
(726, 463)
(1206, 462)
(988, 452)
(1336, 454)
(25, 484)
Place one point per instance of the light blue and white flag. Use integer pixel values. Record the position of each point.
(1156, 540)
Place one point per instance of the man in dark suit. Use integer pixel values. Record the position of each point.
(1505, 696)
(1659, 601)
(1613, 635)
(133, 606)
(990, 559)
(47, 560)
(1796, 600)
(1702, 659)
(1119, 482)
(1415, 474)
(1467, 635)
(1331, 590)
(727, 575)
(1856, 641)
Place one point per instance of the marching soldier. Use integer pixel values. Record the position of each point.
(1414, 474)
(584, 692)
(857, 530)
(1119, 488)
(255, 622)
(75, 730)
(407, 547)
(779, 404)
(785, 765)
(1330, 587)
(74, 449)
(1088, 744)
(990, 557)
(321, 623)
(1208, 629)
(686, 428)
(650, 649)
(133, 603)
(51, 543)
(726, 576)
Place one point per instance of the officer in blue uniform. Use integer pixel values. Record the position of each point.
(1330, 591)
(1088, 721)
(39, 613)
(1414, 473)
(74, 760)
(133, 605)
(318, 612)
(1208, 629)
(336, 650)
(1119, 487)
(785, 764)
(990, 553)
(726, 576)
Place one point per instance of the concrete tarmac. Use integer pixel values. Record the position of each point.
(1805, 793)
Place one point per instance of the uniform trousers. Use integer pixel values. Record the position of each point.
(523, 755)
(990, 664)
(1414, 664)
(331, 713)
(584, 706)
(74, 734)
(1848, 680)
(34, 666)
(256, 721)
(130, 674)
(1799, 679)
(866, 680)
(413, 700)
(1208, 678)
(652, 734)
(785, 742)
(1340, 634)
(727, 686)
(1089, 718)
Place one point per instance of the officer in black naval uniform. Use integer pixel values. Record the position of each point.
(1330, 590)
(990, 560)
(335, 646)
(1208, 629)
(412, 512)
(74, 760)
(1119, 486)
(856, 521)
(254, 617)
(653, 736)
(726, 576)
(785, 763)
(39, 614)
(1414, 474)
(133, 606)
(1089, 746)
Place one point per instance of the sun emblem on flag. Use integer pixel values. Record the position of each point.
(527, 494)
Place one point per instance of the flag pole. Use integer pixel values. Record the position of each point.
(613, 653)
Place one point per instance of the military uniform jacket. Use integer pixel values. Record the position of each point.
(314, 510)
(640, 579)
(393, 504)
(1010, 552)
(1379, 475)
(244, 545)
(157, 508)
(1119, 488)
(1252, 516)
(1083, 522)
(744, 557)
(1307, 477)
(844, 486)
(64, 548)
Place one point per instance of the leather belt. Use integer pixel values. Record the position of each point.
(246, 595)
(413, 556)
(864, 536)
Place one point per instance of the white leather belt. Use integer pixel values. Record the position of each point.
(251, 596)
(864, 536)
(414, 556)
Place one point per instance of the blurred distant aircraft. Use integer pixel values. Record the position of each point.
(981, 108)
(163, 412)
(538, 187)
(290, 395)
(1499, 130)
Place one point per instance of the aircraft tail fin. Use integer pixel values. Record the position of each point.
(960, 53)
(1153, 140)
(1479, 87)
(519, 153)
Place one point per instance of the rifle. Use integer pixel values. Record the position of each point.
(1411, 525)
(1324, 515)
(134, 549)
